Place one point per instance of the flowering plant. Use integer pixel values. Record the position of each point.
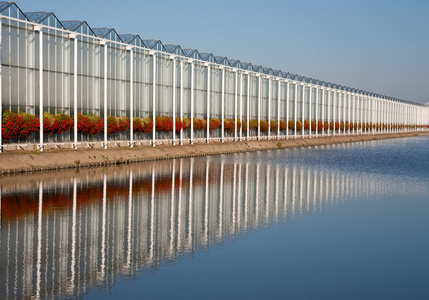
(11, 125)
(214, 123)
(142, 125)
(90, 124)
(186, 123)
(313, 125)
(58, 123)
(265, 126)
(253, 124)
(164, 123)
(319, 126)
(306, 125)
(229, 125)
(291, 124)
(283, 125)
(244, 125)
(199, 124)
(179, 125)
(325, 125)
(298, 125)
(274, 125)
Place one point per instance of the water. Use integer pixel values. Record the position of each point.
(344, 221)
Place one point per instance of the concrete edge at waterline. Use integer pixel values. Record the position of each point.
(19, 162)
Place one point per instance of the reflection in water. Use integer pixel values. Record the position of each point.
(62, 236)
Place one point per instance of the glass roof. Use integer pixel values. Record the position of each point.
(207, 57)
(45, 18)
(174, 49)
(12, 10)
(154, 44)
(222, 60)
(107, 33)
(192, 53)
(48, 18)
(78, 26)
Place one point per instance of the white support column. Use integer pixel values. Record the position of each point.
(1, 87)
(309, 110)
(39, 29)
(295, 108)
(208, 103)
(303, 110)
(154, 99)
(223, 105)
(329, 112)
(241, 105)
(317, 111)
(105, 91)
(333, 110)
(181, 100)
(248, 108)
(235, 107)
(192, 102)
(174, 101)
(287, 109)
(75, 118)
(349, 100)
(269, 108)
(344, 112)
(323, 112)
(259, 108)
(131, 97)
(278, 109)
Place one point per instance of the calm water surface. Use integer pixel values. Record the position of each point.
(329, 222)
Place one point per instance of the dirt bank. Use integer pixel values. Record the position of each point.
(18, 162)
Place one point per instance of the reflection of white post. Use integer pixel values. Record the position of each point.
(39, 242)
(103, 228)
(293, 189)
(73, 252)
(246, 180)
(285, 193)
(276, 197)
(234, 199)
(221, 201)
(191, 204)
(130, 215)
(152, 216)
(206, 205)
(267, 195)
(239, 196)
(257, 195)
(172, 221)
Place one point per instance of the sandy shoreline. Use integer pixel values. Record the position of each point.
(18, 162)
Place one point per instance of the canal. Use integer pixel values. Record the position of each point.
(334, 221)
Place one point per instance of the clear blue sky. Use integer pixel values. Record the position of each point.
(378, 46)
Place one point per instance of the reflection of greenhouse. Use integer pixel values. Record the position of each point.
(67, 67)
(64, 237)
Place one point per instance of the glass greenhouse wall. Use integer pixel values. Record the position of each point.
(65, 84)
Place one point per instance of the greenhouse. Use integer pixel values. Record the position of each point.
(65, 84)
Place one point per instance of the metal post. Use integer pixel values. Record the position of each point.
(309, 110)
(208, 104)
(323, 112)
(181, 100)
(316, 99)
(241, 105)
(235, 107)
(278, 109)
(131, 97)
(39, 29)
(192, 102)
(303, 110)
(223, 105)
(248, 108)
(269, 108)
(174, 101)
(333, 111)
(1, 88)
(154, 100)
(329, 111)
(295, 108)
(287, 109)
(105, 91)
(259, 108)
